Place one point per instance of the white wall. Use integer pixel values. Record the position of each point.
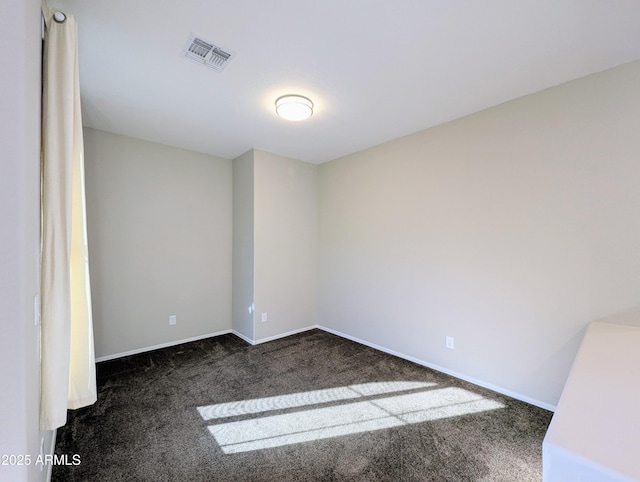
(509, 230)
(243, 245)
(159, 225)
(285, 244)
(20, 84)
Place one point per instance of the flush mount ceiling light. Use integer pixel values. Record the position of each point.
(294, 107)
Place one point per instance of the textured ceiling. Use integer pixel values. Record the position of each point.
(375, 70)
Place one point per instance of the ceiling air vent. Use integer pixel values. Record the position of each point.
(207, 53)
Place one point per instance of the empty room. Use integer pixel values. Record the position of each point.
(329, 240)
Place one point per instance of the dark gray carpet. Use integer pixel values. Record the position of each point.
(146, 425)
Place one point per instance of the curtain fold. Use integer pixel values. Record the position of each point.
(67, 354)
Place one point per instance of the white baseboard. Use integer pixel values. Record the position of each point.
(245, 338)
(162, 345)
(452, 373)
(283, 335)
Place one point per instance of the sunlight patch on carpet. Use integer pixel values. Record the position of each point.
(344, 419)
(314, 397)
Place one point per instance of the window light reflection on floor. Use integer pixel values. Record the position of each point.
(350, 418)
(314, 397)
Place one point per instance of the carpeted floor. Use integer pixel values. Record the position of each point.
(312, 406)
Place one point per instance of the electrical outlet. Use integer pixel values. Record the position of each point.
(449, 342)
(264, 318)
(173, 319)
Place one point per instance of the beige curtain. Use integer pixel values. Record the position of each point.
(68, 361)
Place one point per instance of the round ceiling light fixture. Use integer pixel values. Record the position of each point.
(294, 107)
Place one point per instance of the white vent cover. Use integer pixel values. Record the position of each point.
(207, 53)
